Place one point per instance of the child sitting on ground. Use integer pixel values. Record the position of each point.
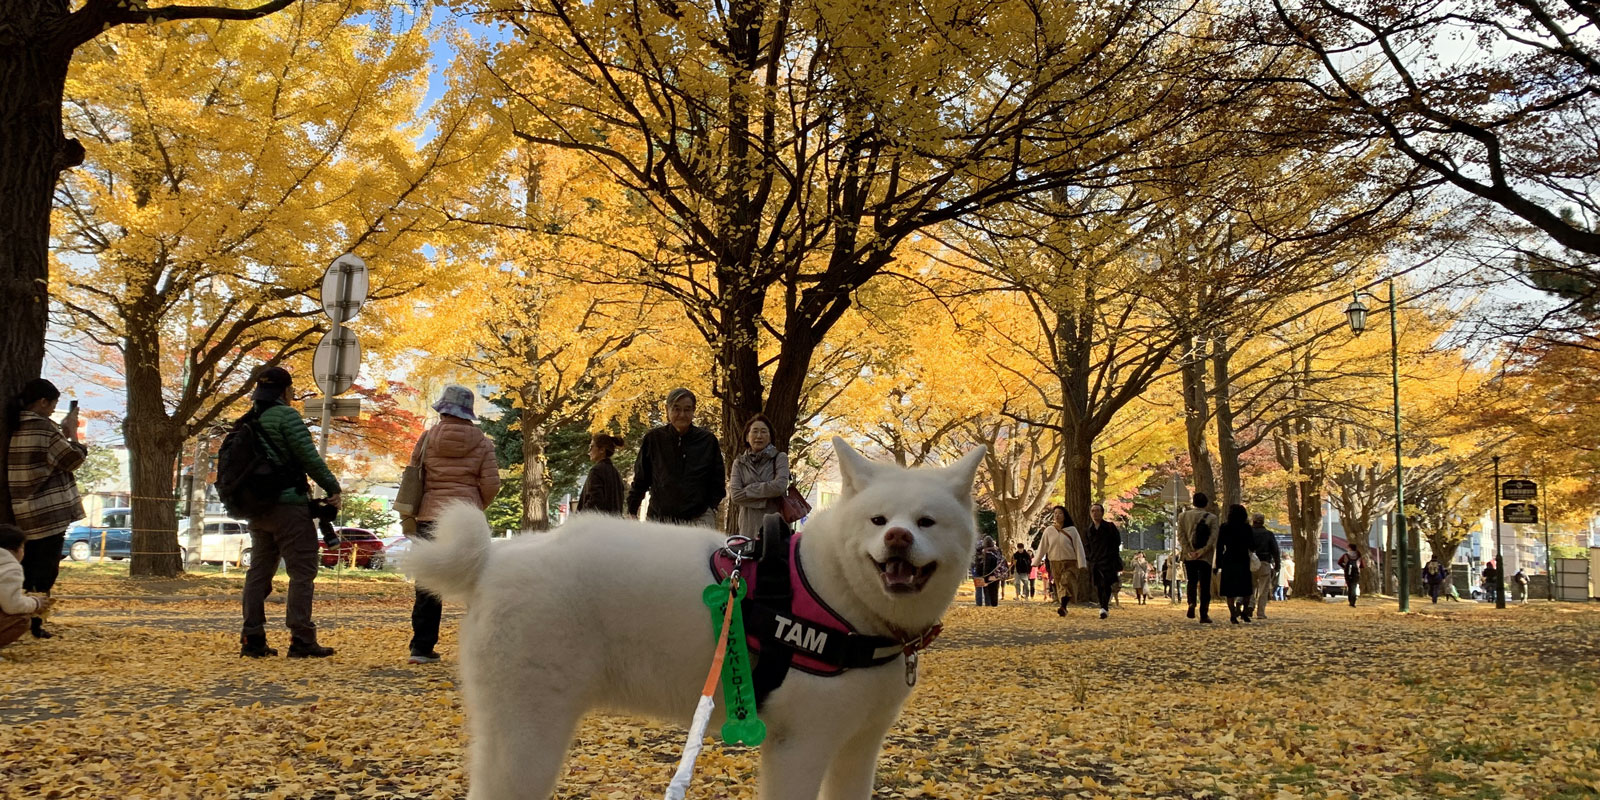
(16, 608)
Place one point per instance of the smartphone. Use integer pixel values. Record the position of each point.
(72, 407)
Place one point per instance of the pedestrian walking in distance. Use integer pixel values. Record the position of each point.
(284, 530)
(1104, 545)
(680, 468)
(1270, 560)
(987, 569)
(1351, 564)
(602, 489)
(1021, 568)
(1235, 546)
(1197, 541)
(1434, 576)
(760, 477)
(1141, 578)
(1062, 551)
(458, 466)
(42, 460)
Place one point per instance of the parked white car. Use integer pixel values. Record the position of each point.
(222, 540)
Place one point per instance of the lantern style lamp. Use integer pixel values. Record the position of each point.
(1356, 312)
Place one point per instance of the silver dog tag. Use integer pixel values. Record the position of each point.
(911, 669)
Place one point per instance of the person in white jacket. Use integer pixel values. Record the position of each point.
(1062, 550)
(16, 608)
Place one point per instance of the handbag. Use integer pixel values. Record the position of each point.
(408, 498)
(793, 505)
(1256, 563)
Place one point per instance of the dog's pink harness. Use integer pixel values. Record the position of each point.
(814, 637)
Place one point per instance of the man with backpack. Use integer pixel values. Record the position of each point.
(1197, 541)
(262, 476)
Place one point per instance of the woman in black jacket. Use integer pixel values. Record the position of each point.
(602, 490)
(1234, 543)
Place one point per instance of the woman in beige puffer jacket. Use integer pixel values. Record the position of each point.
(458, 465)
(458, 460)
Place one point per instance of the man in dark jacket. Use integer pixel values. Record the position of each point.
(680, 467)
(1104, 545)
(1021, 568)
(1266, 549)
(287, 531)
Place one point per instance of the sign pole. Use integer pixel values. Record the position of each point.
(1549, 557)
(338, 358)
(1499, 555)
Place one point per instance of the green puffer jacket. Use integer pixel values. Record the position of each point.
(290, 440)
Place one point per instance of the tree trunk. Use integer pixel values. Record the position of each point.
(154, 440)
(535, 484)
(1356, 529)
(788, 387)
(1196, 415)
(33, 153)
(155, 506)
(1303, 526)
(1227, 451)
(1444, 549)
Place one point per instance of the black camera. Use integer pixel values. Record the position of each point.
(323, 513)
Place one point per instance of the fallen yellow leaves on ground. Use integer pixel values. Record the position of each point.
(146, 699)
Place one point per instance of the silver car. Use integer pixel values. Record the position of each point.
(393, 553)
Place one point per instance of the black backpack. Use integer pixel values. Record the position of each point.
(250, 476)
(1202, 533)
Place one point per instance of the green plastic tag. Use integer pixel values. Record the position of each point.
(738, 687)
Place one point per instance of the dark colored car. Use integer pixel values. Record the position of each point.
(112, 538)
(362, 543)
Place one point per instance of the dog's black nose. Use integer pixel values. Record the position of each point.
(898, 538)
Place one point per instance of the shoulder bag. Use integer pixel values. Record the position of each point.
(793, 505)
(408, 499)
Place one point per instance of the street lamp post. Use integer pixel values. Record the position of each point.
(1357, 314)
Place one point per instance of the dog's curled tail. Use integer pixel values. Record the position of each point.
(449, 564)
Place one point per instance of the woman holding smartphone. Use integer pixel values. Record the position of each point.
(44, 493)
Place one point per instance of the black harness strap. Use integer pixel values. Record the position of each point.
(825, 643)
(773, 593)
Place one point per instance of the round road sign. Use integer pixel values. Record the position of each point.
(335, 375)
(344, 287)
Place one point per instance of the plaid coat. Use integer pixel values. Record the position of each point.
(44, 495)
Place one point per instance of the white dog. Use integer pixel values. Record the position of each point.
(607, 614)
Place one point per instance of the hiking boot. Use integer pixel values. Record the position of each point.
(430, 657)
(308, 650)
(256, 647)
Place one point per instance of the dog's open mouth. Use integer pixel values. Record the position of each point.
(901, 576)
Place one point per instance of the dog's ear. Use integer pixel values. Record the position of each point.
(855, 470)
(964, 473)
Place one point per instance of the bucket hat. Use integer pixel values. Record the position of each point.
(456, 401)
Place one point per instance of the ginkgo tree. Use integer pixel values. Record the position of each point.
(38, 41)
(563, 347)
(214, 194)
(787, 150)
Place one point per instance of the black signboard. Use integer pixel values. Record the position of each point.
(1520, 513)
(1519, 489)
